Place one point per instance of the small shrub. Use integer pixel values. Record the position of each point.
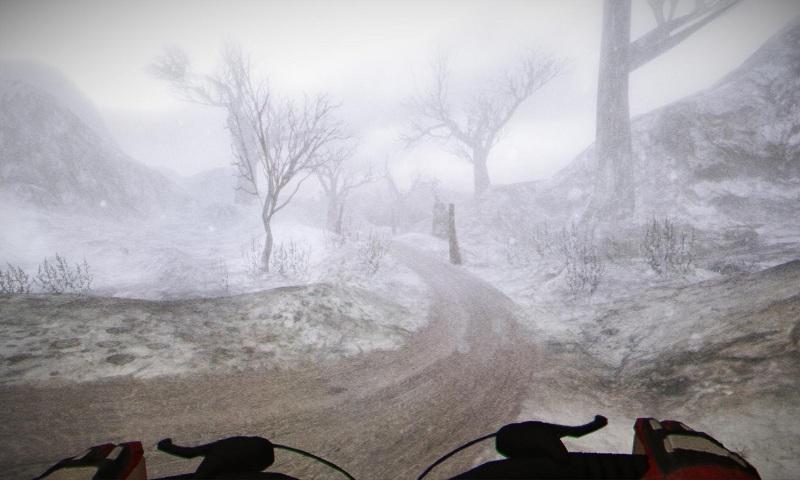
(526, 241)
(59, 276)
(290, 259)
(224, 276)
(348, 233)
(334, 241)
(371, 251)
(251, 254)
(667, 247)
(583, 265)
(14, 280)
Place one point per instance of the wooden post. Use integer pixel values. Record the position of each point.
(455, 254)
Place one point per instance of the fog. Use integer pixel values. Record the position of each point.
(104, 47)
(378, 230)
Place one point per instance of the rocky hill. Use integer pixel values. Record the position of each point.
(55, 154)
(50, 80)
(729, 155)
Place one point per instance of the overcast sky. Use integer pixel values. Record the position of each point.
(371, 55)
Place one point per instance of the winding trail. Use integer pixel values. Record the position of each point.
(383, 415)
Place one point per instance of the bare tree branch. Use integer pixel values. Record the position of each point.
(475, 130)
(291, 195)
(339, 177)
(671, 31)
(280, 141)
(174, 67)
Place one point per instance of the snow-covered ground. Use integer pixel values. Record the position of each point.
(94, 338)
(715, 349)
(179, 294)
(176, 295)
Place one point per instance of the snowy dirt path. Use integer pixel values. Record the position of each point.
(382, 415)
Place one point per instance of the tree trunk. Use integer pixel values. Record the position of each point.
(245, 187)
(480, 172)
(340, 218)
(614, 188)
(241, 195)
(333, 219)
(455, 252)
(268, 241)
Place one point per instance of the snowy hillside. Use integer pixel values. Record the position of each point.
(723, 353)
(51, 81)
(728, 155)
(51, 157)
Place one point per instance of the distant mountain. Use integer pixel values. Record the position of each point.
(49, 80)
(725, 156)
(56, 153)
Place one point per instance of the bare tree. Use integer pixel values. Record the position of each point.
(338, 178)
(614, 188)
(472, 132)
(278, 140)
(227, 89)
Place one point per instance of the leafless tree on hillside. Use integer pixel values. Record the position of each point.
(338, 178)
(277, 143)
(475, 129)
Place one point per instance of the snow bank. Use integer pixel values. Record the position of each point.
(70, 338)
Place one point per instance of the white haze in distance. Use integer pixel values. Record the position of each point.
(371, 56)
